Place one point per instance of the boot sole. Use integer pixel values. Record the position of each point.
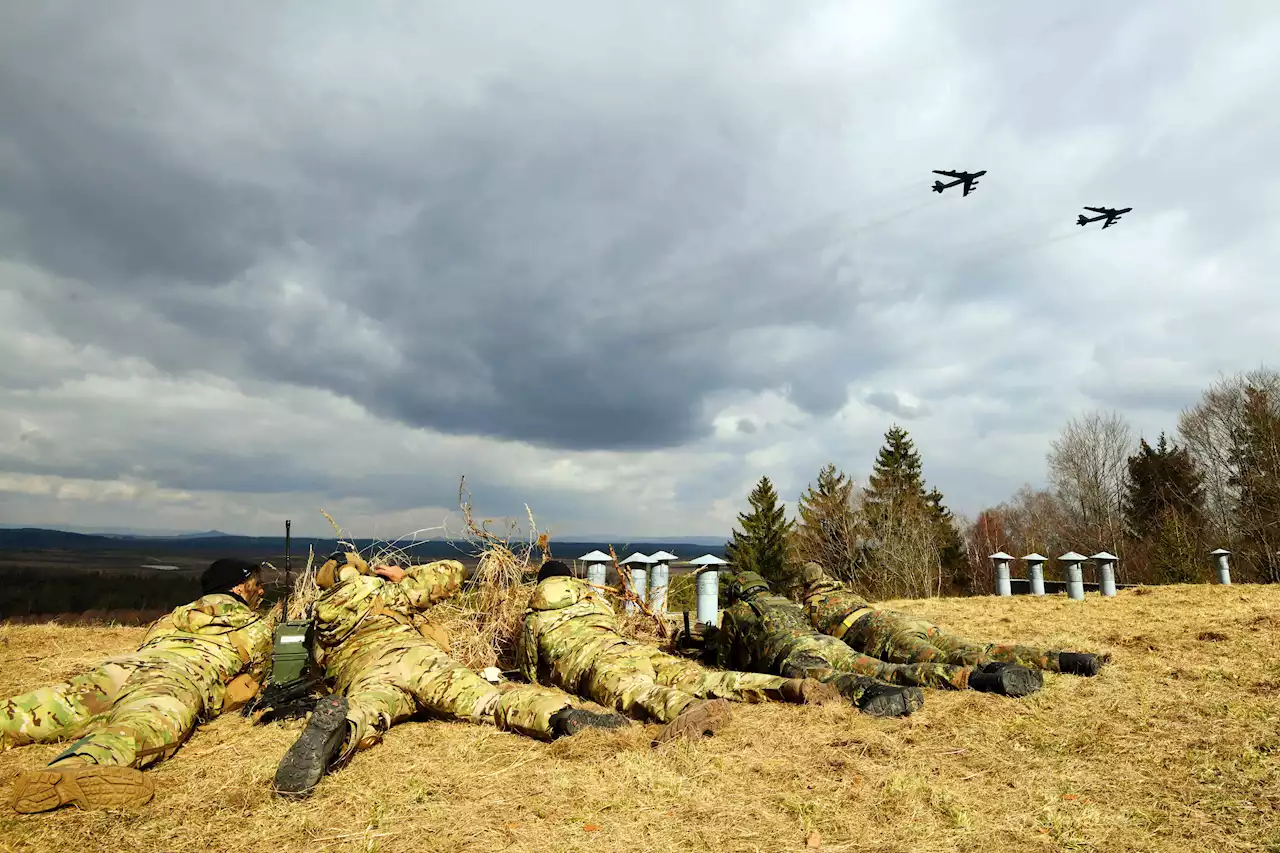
(89, 786)
(702, 720)
(304, 765)
(1018, 682)
(900, 704)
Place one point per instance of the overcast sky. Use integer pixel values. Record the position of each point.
(615, 260)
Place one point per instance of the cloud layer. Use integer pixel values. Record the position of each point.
(612, 262)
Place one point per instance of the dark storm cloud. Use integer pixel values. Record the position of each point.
(588, 228)
(517, 256)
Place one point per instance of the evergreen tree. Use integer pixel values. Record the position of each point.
(896, 477)
(761, 545)
(1257, 463)
(895, 504)
(828, 527)
(950, 542)
(1162, 479)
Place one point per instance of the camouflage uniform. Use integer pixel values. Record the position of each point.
(769, 633)
(900, 637)
(390, 663)
(570, 638)
(137, 709)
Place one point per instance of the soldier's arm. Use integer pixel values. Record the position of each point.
(717, 642)
(255, 639)
(527, 649)
(261, 635)
(431, 583)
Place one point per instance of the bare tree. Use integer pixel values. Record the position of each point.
(1212, 430)
(829, 528)
(905, 559)
(1033, 520)
(1088, 471)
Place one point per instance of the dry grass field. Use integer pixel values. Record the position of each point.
(1175, 746)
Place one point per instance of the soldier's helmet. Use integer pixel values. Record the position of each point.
(746, 584)
(812, 573)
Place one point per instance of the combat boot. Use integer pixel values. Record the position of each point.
(879, 698)
(89, 786)
(1077, 663)
(1005, 679)
(311, 755)
(570, 721)
(809, 691)
(699, 720)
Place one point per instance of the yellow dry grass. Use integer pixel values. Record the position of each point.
(1176, 746)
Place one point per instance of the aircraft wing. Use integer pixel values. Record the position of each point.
(1097, 209)
(968, 187)
(948, 174)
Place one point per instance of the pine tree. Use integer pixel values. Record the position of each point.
(1257, 461)
(896, 476)
(828, 528)
(904, 518)
(761, 545)
(1162, 479)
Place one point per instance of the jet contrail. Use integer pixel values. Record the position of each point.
(975, 261)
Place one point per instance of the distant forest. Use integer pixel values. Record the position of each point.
(1160, 503)
(74, 577)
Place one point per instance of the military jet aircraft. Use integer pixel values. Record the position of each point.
(1108, 213)
(969, 179)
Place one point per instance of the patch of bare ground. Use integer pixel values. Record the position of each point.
(1174, 747)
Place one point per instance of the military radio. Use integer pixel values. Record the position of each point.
(291, 650)
(294, 674)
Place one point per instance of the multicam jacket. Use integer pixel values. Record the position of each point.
(566, 627)
(361, 613)
(210, 641)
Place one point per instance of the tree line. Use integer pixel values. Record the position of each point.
(1160, 506)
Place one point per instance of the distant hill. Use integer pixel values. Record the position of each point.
(216, 542)
(134, 532)
(644, 540)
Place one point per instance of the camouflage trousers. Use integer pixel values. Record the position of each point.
(827, 658)
(130, 712)
(388, 684)
(636, 680)
(906, 639)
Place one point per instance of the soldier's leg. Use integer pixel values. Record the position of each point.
(623, 678)
(152, 716)
(446, 688)
(450, 690)
(61, 710)
(937, 675)
(377, 698)
(903, 638)
(690, 677)
(367, 703)
(868, 694)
